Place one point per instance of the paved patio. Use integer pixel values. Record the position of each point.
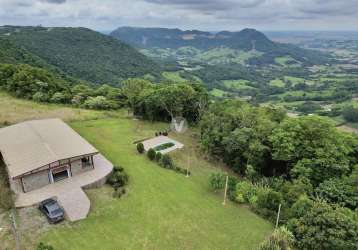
(159, 140)
(69, 192)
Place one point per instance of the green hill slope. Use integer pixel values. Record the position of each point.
(12, 54)
(79, 52)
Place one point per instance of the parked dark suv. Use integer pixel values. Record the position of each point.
(52, 210)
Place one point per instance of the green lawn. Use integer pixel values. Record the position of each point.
(163, 209)
(13, 110)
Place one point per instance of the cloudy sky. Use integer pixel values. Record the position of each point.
(209, 15)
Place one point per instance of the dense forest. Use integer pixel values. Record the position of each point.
(79, 52)
(303, 164)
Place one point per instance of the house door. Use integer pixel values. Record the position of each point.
(59, 174)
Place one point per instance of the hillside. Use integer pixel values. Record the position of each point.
(79, 52)
(10, 53)
(247, 40)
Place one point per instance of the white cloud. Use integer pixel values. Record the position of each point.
(199, 14)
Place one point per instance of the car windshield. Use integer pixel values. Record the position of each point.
(56, 211)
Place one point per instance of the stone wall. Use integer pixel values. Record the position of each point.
(36, 180)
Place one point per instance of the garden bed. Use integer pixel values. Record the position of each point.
(164, 146)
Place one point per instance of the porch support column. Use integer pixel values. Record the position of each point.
(70, 164)
(22, 185)
(92, 161)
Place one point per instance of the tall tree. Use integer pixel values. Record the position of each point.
(311, 147)
(131, 89)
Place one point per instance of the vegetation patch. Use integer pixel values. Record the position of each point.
(219, 93)
(277, 83)
(237, 84)
(6, 195)
(118, 179)
(164, 146)
(173, 76)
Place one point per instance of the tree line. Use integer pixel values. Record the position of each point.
(305, 164)
(149, 100)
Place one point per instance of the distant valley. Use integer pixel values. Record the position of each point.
(304, 72)
(248, 46)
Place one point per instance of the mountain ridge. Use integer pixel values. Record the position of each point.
(244, 40)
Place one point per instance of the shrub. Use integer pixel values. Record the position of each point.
(98, 102)
(240, 198)
(217, 181)
(300, 207)
(158, 156)
(6, 195)
(40, 97)
(118, 178)
(268, 201)
(167, 161)
(140, 148)
(253, 201)
(350, 114)
(77, 100)
(339, 191)
(327, 227)
(58, 97)
(280, 239)
(117, 168)
(43, 246)
(6, 201)
(251, 173)
(245, 191)
(231, 187)
(151, 154)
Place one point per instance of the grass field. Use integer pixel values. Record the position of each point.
(287, 61)
(173, 76)
(294, 80)
(163, 209)
(218, 92)
(237, 84)
(13, 110)
(277, 83)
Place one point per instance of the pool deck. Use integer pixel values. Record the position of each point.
(159, 140)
